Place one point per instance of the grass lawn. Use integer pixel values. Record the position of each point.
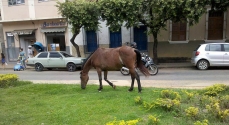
(61, 104)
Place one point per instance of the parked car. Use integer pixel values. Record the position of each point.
(55, 59)
(211, 54)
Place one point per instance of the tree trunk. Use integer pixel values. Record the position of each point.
(75, 45)
(155, 59)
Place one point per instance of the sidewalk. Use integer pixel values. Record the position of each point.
(161, 65)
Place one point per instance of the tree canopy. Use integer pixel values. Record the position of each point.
(152, 13)
(129, 13)
(80, 13)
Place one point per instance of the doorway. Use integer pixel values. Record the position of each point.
(140, 37)
(56, 41)
(115, 39)
(26, 41)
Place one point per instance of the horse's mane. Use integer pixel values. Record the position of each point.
(87, 58)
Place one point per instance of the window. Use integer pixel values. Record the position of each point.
(215, 25)
(179, 31)
(42, 55)
(54, 55)
(226, 47)
(213, 47)
(16, 2)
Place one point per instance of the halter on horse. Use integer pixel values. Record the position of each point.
(112, 59)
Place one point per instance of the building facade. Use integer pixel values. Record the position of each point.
(39, 21)
(174, 44)
(25, 22)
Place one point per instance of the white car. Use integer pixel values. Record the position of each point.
(210, 54)
(55, 59)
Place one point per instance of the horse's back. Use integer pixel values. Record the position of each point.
(106, 59)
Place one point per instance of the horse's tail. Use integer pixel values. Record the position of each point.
(140, 65)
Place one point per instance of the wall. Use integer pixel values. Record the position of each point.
(30, 10)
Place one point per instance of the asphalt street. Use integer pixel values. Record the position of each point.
(166, 77)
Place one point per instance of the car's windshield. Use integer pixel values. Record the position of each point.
(66, 54)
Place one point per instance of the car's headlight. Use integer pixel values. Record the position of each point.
(82, 60)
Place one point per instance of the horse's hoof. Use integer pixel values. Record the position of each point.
(130, 90)
(100, 89)
(114, 86)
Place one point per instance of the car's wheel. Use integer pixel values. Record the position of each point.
(71, 67)
(202, 64)
(39, 67)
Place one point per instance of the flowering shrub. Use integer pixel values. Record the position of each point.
(216, 110)
(7, 80)
(122, 122)
(223, 115)
(138, 100)
(224, 102)
(167, 103)
(170, 94)
(149, 106)
(153, 119)
(204, 122)
(215, 89)
(192, 112)
(189, 95)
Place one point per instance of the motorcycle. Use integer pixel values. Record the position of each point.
(148, 63)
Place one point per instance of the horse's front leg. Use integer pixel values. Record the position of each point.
(105, 78)
(99, 72)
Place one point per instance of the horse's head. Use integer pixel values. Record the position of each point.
(84, 79)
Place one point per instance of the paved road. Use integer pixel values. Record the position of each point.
(167, 77)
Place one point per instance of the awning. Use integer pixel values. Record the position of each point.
(51, 30)
(23, 32)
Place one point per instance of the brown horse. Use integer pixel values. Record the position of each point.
(112, 59)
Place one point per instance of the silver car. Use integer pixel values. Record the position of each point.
(210, 54)
(55, 59)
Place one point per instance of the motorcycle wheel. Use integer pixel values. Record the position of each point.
(153, 69)
(124, 72)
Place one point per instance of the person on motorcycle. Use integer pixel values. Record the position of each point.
(150, 65)
(133, 45)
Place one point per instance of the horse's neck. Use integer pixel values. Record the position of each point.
(87, 66)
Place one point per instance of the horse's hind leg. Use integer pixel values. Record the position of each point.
(100, 79)
(105, 78)
(139, 83)
(132, 83)
(134, 75)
